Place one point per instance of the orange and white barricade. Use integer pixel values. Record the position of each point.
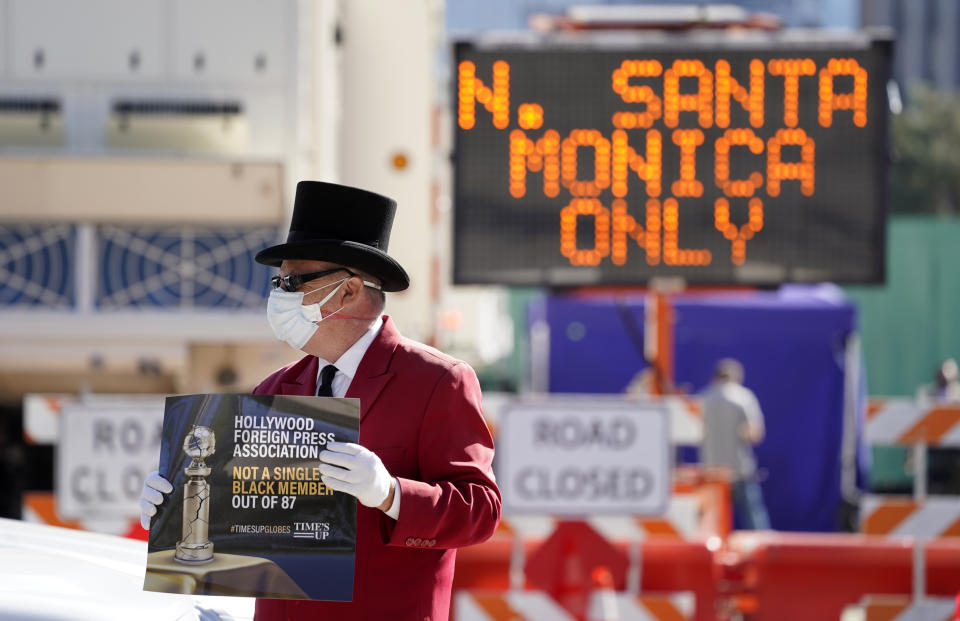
(656, 607)
(41, 417)
(686, 420)
(905, 422)
(470, 605)
(507, 606)
(41, 508)
(899, 516)
(681, 521)
(902, 608)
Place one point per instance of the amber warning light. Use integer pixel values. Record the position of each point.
(753, 163)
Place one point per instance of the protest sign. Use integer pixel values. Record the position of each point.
(249, 515)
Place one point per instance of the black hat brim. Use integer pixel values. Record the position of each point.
(347, 253)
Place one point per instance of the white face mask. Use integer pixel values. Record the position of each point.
(292, 320)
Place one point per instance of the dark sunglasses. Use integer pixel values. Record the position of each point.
(292, 282)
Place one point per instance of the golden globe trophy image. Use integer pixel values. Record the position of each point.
(195, 547)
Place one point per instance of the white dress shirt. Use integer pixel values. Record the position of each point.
(349, 361)
(347, 365)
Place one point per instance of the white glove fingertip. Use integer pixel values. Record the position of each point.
(327, 470)
(350, 488)
(152, 496)
(330, 457)
(343, 460)
(147, 509)
(145, 521)
(339, 485)
(332, 469)
(157, 482)
(344, 447)
(332, 483)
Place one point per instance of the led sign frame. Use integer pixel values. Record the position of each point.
(719, 158)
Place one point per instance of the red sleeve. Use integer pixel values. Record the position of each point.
(457, 503)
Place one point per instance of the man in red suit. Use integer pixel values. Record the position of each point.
(423, 477)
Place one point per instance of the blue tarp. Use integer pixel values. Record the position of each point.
(791, 344)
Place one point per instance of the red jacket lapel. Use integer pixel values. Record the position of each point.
(305, 383)
(374, 373)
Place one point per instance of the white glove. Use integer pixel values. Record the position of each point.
(154, 486)
(352, 469)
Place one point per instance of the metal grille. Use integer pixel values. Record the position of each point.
(181, 267)
(36, 266)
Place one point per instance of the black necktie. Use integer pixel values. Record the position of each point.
(326, 381)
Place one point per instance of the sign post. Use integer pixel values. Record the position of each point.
(572, 457)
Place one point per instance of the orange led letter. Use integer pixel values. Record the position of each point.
(601, 162)
(778, 170)
(636, 94)
(648, 168)
(672, 255)
(471, 90)
(688, 140)
(791, 69)
(674, 102)
(601, 231)
(738, 236)
(721, 162)
(752, 100)
(542, 155)
(624, 225)
(830, 101)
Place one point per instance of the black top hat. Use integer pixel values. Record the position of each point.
(343, 225)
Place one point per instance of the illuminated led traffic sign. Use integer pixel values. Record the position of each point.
(720, 159)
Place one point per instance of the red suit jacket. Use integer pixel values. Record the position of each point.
(420, 413)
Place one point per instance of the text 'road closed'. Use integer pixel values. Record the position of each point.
(584, 456)
(589, 484)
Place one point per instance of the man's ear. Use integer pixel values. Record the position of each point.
(352, 290)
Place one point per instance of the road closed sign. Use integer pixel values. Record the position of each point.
(576, 457)
(106, 448)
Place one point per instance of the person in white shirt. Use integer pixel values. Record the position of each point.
(733, 424)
